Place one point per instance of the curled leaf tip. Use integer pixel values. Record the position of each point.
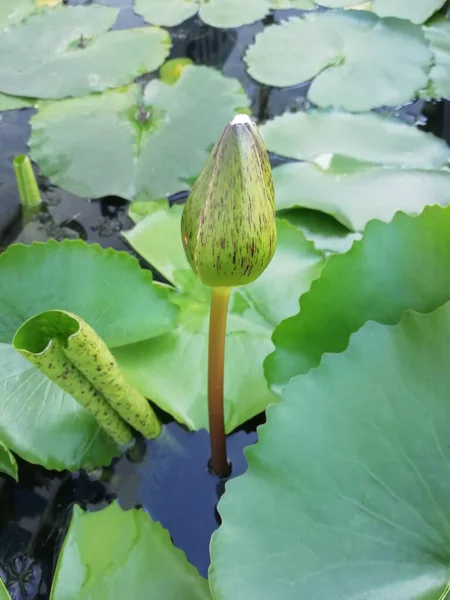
(228, 226)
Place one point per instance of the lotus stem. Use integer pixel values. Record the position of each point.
(216, 362)
(30, 196)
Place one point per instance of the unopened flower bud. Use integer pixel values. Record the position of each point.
(228, 226)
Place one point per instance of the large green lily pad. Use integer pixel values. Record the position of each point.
(4, 592)
(111, 293)
(437, 33)
(117, 554)
(353, 55)
(254, 311)
(14, 102)
(218, 13)
(355, 195)
(346, 494)
(146, 146)
(417, 11)
(396, 266)
(13, 12)
(367, 137)
(8, 463)
(68, 51)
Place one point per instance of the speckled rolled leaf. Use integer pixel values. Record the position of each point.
(353, 55)
(368, 137)
(71, 354)
(46, 57)
(8, 465)
(395, 267)
(119, 554)
(347, 491)
(228, 225)
(38, 421)
(355, 194)
(217, 13)
(437, 33)
(254, 311)
(140, 149)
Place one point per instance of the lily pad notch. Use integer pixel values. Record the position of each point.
(71, 354)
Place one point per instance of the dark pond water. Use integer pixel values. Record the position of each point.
(168, 476)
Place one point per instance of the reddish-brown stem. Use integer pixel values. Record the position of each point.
(216, 361)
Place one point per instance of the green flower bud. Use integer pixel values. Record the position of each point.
(228, 226)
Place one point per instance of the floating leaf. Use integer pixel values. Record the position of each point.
(38, 421)
(14, 102)
(68, 52)
(327, 234)
(172, 69)
(254, 311)
(346, 493)
(117, 554)
(4, 592)
(8, 465)
(355, 196)
(354, 54)
(146, 147)
(13, 12)
(418, 11)
(217, 13)
(438, 34)
(367, 137)
(396, 266)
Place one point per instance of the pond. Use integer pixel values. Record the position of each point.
(168, 476)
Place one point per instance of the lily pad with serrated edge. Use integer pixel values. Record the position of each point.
(351, 477)
(355, 194)
(396, 266)
(109, 290)
(217, 13)
(367, 137)
(116, 554)
(350, 55)
(69, 51)
(417, 11)
(147, 146)
(13, 12)
(254, 311)
(437, 33)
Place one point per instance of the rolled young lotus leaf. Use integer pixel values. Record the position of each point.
(228, 226)
(72, 355)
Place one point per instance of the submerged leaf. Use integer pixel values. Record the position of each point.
(38, 421)
(68, 51)
(118, 554)
(228, 224)
(351, 477)
(254, 311)
(396, 266)
(8, 465)
(353, 55)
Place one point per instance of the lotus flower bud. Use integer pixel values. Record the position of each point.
(228, 226)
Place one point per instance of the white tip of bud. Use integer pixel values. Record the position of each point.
(241, 119)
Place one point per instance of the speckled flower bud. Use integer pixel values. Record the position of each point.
(228, 226)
